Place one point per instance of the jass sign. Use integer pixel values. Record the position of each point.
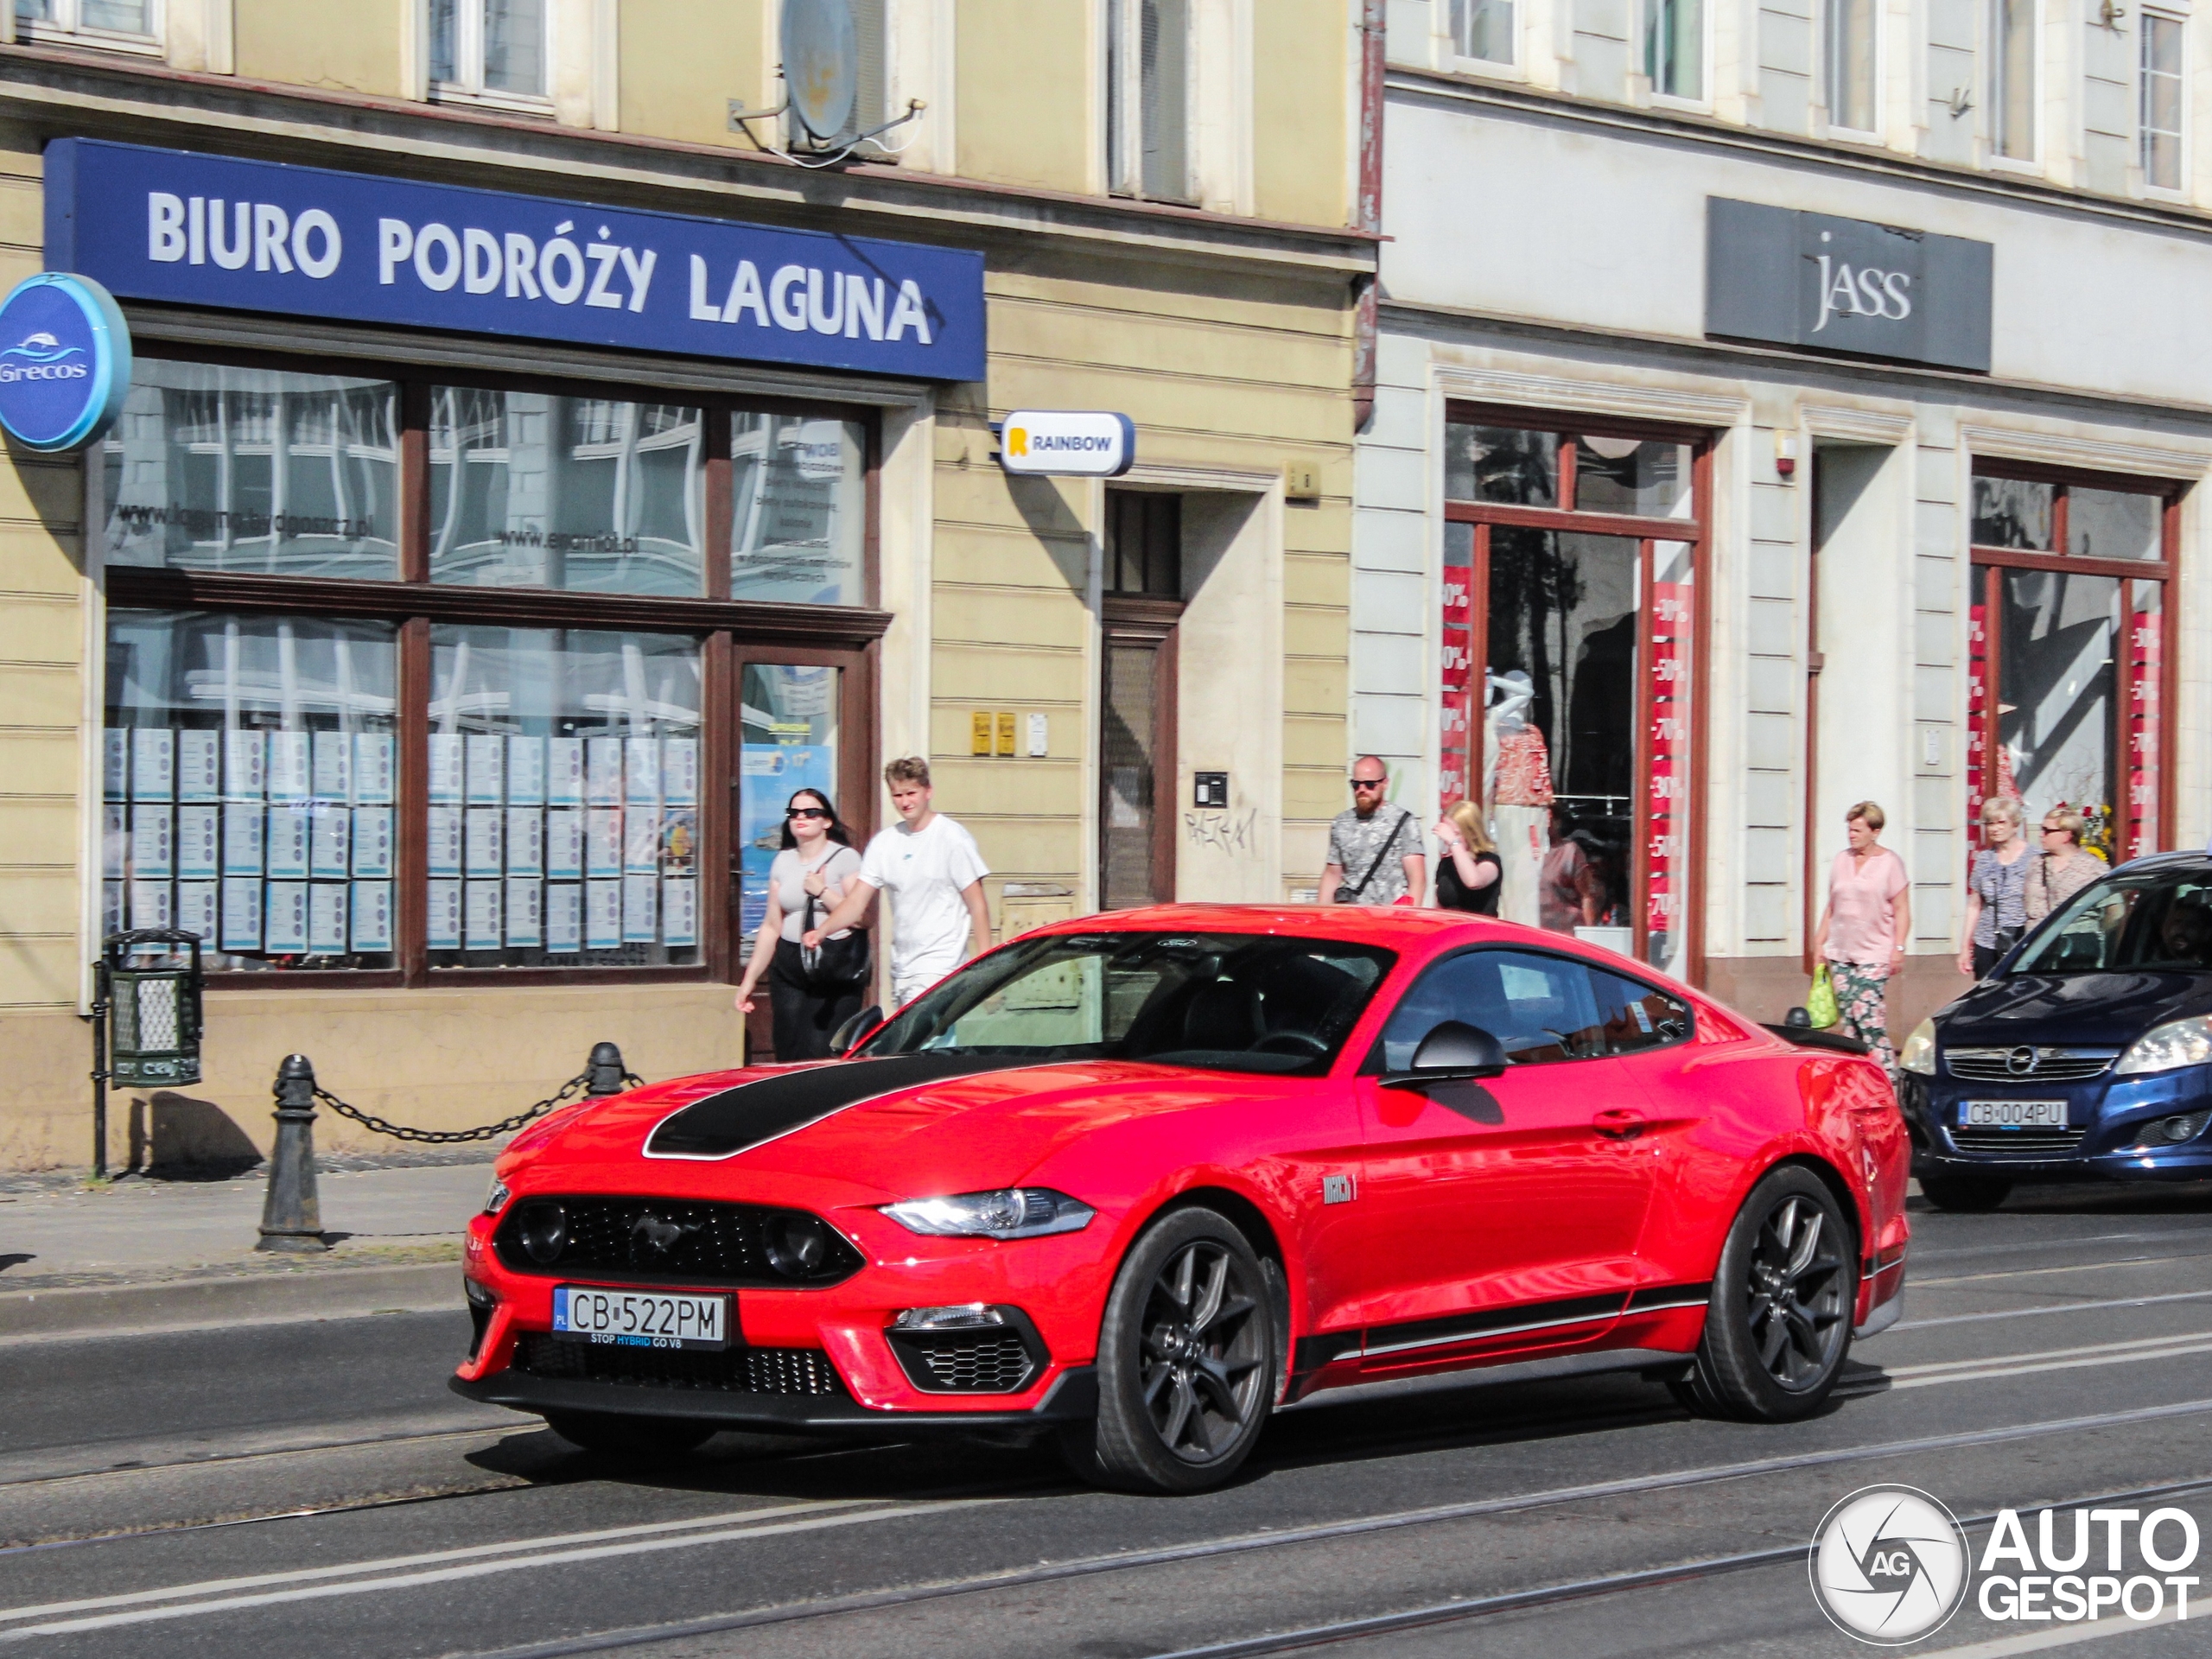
(1845, 285)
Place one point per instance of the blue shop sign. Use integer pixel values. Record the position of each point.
(65, 361)
(186, 229)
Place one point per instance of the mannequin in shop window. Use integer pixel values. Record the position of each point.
(1570, 888)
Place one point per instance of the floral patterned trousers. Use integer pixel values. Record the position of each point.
(1858, 988)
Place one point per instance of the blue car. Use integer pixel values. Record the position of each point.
(2086, 1054)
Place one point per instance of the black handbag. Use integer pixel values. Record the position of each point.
(835, 965)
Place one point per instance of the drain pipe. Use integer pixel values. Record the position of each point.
(1367, 208)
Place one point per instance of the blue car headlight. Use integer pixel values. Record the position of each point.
(2165, 1048)
(1009, 1212)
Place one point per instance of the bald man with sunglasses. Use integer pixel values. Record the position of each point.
(1375, 852)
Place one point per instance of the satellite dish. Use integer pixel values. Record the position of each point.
(821, 64)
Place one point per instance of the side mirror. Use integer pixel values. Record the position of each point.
(1453, 1052)
(842, 1040)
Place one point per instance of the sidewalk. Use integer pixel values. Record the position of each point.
(141, 1253)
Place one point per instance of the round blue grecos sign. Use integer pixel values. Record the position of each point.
(65, 361)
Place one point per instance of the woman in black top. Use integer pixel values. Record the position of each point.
(1469, 873)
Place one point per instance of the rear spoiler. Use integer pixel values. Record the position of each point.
(1812, 1037)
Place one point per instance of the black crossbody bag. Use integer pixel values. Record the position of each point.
(1351, 895)
(834, 965)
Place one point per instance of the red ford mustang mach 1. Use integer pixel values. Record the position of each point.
(1134, 1180)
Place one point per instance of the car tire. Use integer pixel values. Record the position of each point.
(629, 1436)
(1187, 1367)
(1966, 1194)
(1778, 1328)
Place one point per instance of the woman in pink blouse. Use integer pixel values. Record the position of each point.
(1863, 930)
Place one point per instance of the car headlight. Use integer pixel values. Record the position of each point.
(496, 1199)
(2162, 1048)
(1011, 1212)
(1919, 1053)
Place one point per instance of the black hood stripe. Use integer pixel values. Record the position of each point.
(752, 1113)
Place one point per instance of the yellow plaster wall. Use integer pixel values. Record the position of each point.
(681, 64)
(1220, 371)
(1025, 92)
(354, 48)
(1302, 67)
(42, 671)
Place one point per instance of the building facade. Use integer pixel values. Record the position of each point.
(542, 455)
(1777, 408)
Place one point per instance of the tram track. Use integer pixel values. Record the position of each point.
(404, 1573)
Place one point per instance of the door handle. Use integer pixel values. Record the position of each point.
(1622, 1124)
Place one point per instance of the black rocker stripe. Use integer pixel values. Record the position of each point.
(1652, 1298)
(1310, 1353)
(724, 1124)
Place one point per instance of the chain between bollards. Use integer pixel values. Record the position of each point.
(292, 1216)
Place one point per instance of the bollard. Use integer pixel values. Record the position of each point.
(291, 1216)
(605, 1070)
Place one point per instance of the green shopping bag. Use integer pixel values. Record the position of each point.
(1820, 1005)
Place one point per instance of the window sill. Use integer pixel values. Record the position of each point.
(1487, 69)
(504, 102)
(142, 46)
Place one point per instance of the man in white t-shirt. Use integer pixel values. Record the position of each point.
(934, 873)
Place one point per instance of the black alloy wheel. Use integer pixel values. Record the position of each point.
(641, 1438)
(1779, 1326)
(1966, 1194)
(1187, 1361)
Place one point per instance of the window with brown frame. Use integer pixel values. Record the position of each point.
(411, 676)
(2068, 674)
(1571, 663)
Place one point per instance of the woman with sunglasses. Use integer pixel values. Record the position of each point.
(811, 993)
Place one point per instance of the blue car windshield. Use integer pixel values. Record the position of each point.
(1224, 1002)
(2154, 920)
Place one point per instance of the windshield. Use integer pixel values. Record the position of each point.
(2160, 918)
(1227, 1001)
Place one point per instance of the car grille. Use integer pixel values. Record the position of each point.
(2041, 1064)
(964, 1362)
(2017, 1143)
(732, 1371)
(712, 1243)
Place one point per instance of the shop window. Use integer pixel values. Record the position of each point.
(2066, 675)
(126, 23)
(1674, 47)
(250, 785)
(531, 489)
(1853, 64)
(2158, 114)
(798, 499)
(218, 468)
(1483, 29)
(1568, 650)
(563, 799)
(1148, 98)
(421, 680)
(2012, 60)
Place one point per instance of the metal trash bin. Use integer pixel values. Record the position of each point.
(146, 1020)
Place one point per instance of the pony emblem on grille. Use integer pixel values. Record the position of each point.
(649, 1233)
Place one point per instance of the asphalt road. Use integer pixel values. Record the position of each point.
(312, 1487)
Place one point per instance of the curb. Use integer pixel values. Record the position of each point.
(262, 1298)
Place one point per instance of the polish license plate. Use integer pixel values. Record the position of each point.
(2012, 1114)
(641, 1318)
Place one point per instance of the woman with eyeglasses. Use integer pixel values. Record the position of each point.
(811, 993)
(2063, 865)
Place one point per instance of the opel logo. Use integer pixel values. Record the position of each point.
(2021, 1061)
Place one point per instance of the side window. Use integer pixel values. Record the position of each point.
(1540, 1008)
(1634, 1016)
